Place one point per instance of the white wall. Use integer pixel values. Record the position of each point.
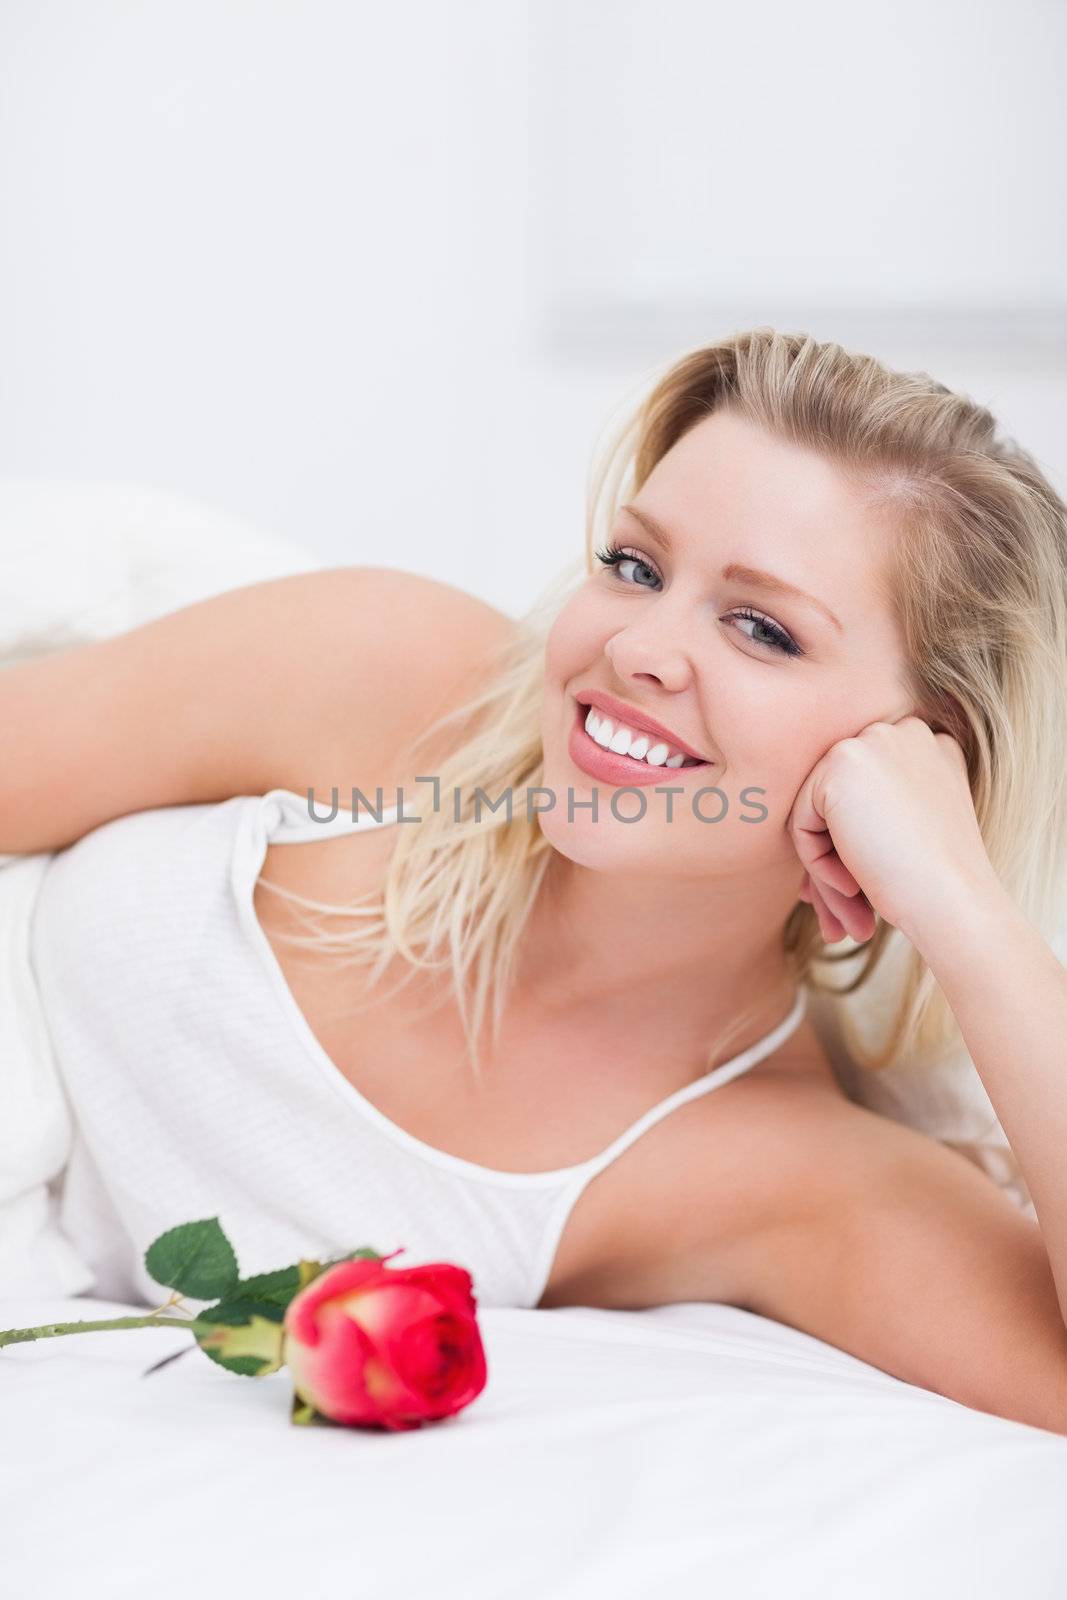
(840, 155)
(375, 277)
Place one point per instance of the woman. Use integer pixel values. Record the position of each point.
(812, 685)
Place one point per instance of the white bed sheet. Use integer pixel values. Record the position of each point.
(689, 1450)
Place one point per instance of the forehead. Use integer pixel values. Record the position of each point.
(745, 495)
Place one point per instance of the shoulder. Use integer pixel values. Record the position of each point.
(433, 620)
(454, 642)
(384, 654)
(893, 1247)
(711, 1183)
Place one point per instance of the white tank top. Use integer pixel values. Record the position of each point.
(198, 1088)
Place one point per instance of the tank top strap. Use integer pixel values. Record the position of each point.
(291, 818)
(711, 1080)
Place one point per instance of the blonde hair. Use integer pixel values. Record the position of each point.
(978, 581)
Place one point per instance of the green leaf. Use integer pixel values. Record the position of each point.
(272, 1290)
(248, 1338)
(196, 1258)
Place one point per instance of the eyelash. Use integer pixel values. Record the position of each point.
(782, 642)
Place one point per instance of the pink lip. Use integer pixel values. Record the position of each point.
(619, 711)
(609, 767)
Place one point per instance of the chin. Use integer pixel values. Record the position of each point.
(606, 845)
(587, 847)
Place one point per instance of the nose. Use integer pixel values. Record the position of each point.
(647, 654)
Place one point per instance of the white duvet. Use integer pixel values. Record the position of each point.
(688, 1450)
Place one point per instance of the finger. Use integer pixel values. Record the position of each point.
(830, 926)
(814, 843)
(852, 912)
(827, 867)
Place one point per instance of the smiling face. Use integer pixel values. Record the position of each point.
(757, 680)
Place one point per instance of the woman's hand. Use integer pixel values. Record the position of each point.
(885, 823)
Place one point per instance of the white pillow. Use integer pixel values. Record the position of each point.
(83, 561)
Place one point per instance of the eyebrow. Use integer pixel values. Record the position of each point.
(753, 575)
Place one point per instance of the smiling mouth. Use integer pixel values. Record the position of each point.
(589, 720)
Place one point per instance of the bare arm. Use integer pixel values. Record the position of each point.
(309, 680)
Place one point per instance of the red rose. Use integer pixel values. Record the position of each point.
(388, 1347)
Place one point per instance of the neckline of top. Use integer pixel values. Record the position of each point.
(247, 863)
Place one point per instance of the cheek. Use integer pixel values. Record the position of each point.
(575, 639)
(772, 746)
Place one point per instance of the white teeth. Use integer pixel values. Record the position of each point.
(624, 741)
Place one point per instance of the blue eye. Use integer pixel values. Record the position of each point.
(613, 556)
(777, 639)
